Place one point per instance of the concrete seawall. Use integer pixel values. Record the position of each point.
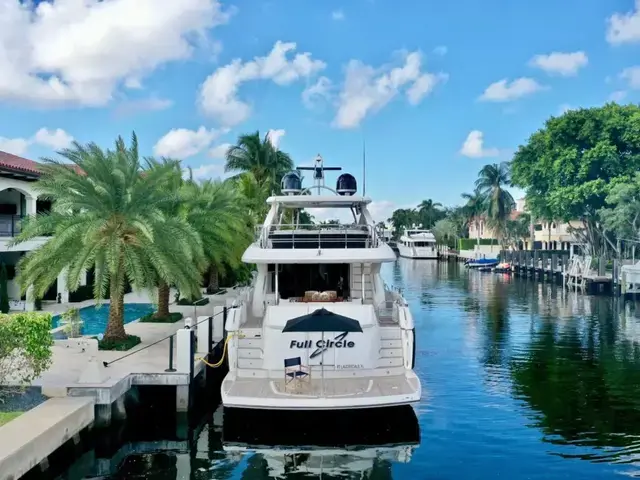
(29, 439)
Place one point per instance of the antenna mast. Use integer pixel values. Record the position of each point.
(364, 167)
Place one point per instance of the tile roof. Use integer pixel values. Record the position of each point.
(19, 164)
(13, 162)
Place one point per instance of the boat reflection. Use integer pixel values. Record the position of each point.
(352, 444)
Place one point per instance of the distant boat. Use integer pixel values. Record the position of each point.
(482, 263)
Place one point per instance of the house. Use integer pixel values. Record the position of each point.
(548, 235)
(479, 228)
(18, 198)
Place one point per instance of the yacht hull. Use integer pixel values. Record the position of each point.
(417, 253)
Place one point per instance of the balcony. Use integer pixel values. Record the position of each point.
(10, 225)
(317, 236)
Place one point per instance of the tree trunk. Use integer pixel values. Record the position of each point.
(163, 301)
(214, 279)
(115, 326)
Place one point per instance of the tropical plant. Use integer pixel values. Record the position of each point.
(474, 209)
(254, 196)
(215, 210)
(573, 162)
(72, 323)
(256, 154)
(622, 214)
(429, 212)
(498, 202)
(109, 215)
(402, 218)
(4, 293)
(25, 348)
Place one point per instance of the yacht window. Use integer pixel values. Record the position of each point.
(294, 280)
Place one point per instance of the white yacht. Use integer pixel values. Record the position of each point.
(417, 243)
(318, 329)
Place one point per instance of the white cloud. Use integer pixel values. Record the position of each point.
(618, 96)
(503, 91)
(624, 27)
(367, 90)
(632, 76)
(81, 51)
(218, 93)
(316, 92)
(337, 15)
(275, 136)
(15, 146)
(151, 104)
(183, 143)
(558, 63)
(473, 146)
(211, 170)
(56, 139)
(219, 151)
(440, 50)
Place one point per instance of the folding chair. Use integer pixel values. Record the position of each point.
(295, 372)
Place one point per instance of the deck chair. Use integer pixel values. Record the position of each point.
(295, 372)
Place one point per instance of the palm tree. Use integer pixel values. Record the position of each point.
(257, 155)
(215, 209)
(253, 195)
(490, 183)
(429, 212)
(109, 215)
(474, 208)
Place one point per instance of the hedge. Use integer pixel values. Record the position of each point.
(190, 301)
(470, 243)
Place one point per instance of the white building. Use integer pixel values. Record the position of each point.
(18, 198)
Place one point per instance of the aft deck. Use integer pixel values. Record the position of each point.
(321, 394)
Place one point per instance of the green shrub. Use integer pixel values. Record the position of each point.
(119, 345)
(470, 243)
(25, 347)
(190, 301)
(172, 318)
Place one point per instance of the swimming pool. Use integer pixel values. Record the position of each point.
(95, 319)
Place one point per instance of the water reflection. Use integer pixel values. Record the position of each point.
(522, 380)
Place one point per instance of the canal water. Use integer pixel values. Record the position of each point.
(521, 380)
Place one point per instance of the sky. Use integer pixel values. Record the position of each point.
(434, 89)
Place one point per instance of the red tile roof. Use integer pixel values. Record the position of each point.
(20, 164)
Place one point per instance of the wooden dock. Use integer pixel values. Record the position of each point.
(575, 272)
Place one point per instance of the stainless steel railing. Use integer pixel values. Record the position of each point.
(317, 236)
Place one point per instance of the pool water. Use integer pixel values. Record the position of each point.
(95, 319)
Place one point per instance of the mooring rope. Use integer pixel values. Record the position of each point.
(224, 350)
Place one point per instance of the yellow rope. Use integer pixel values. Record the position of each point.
(224, 350)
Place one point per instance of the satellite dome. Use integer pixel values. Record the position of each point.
(346, 185)
(291, 183)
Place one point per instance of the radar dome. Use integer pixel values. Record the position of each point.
(291, 183)
(346, 185)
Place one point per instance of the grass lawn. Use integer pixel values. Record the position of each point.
(6, 417)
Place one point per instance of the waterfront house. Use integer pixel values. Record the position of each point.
(18, 199)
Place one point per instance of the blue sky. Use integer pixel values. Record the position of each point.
(419, 80)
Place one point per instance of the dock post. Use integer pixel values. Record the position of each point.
(602, 266)
(184, 364)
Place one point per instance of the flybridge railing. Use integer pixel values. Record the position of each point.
(313, 236)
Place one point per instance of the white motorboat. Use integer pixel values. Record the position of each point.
(318, 329)
(417, 243)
